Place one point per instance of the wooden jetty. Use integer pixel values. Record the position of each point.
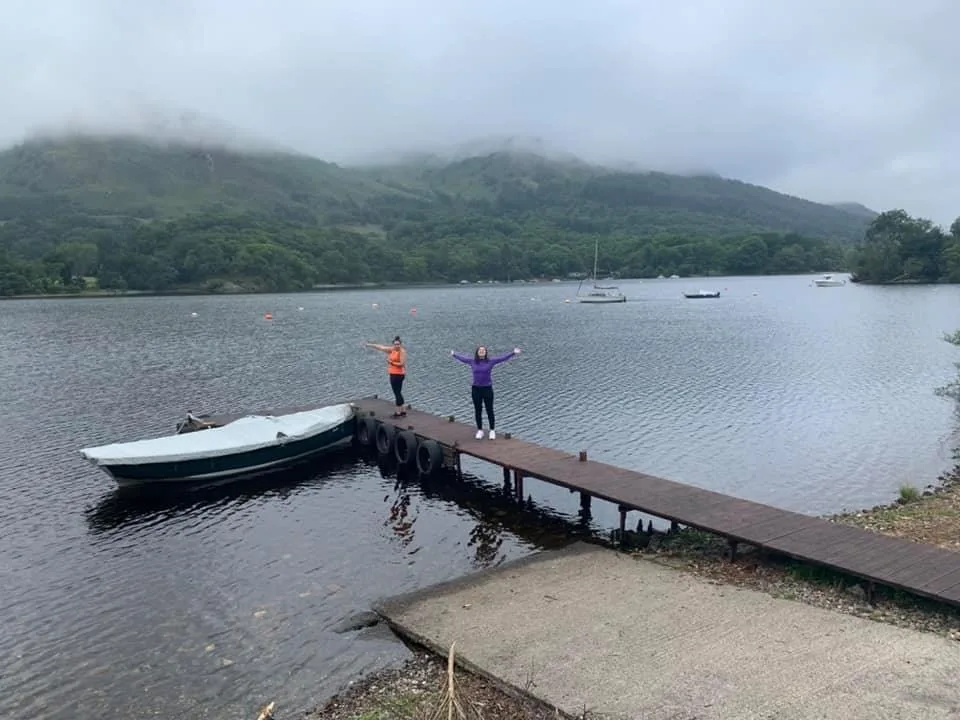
(431, 442)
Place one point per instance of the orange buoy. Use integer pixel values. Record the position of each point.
(268, 316)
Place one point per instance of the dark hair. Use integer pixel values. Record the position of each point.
(397, 339)
(476, 353)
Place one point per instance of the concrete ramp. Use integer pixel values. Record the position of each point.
(624, 637)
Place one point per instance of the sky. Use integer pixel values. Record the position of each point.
(850, 100)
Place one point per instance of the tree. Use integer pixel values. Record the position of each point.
(898, 247)
(952, 388)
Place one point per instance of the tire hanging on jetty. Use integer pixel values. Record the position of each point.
(405, 447)
(366, 431)
(429, 458)
(385, 436)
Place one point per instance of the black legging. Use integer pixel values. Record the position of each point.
(483, 395)
(396, 384)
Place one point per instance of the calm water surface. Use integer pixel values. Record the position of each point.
(213, 602)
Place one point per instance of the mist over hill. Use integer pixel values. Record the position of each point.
(192, 209)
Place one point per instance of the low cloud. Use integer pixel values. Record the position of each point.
(831, 101)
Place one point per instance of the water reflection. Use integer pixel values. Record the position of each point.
(131, 506)
(494, 508)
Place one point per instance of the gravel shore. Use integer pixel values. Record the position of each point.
(415, 691)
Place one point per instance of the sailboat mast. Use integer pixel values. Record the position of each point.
(596, 250)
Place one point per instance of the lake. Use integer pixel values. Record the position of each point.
(213, 602)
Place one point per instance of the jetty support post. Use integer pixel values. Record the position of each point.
(518, 484)
(623, 523)
(732, 546)
(507, 485)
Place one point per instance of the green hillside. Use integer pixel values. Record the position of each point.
(124, 213)
(126, 176)
(515, 184)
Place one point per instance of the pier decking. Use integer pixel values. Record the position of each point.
(921, 569)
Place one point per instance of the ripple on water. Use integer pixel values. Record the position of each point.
(212, 601)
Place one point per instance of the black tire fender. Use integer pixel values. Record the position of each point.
(366, 431)
(384, 437)
(429, 457)
(405, 447)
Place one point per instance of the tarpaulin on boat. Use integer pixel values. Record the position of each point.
(242, 435)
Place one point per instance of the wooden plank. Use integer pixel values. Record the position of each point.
(949, 595)
(942, 582)
(769, 528)
(919, 568)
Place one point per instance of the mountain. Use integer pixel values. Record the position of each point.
(130, 177)
(856, 209)
(126, 213)
(511, 183)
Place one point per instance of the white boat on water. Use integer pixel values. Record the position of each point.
(601, 294)
(243, 447)
(829, 281)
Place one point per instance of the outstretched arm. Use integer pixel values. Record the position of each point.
(381, 348)
(465, 359)
(504, 358)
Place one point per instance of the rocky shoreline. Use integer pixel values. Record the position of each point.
(415, 691)
(418, 691)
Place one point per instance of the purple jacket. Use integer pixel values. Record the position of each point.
(482, 368)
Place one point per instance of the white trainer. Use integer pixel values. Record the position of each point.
(493, 435)
(479, 435)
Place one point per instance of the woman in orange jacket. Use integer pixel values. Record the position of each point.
(396, 370)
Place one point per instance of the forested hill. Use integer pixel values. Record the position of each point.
(602, 200)
(126, 213)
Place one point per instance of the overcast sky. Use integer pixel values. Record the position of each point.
(844, 100)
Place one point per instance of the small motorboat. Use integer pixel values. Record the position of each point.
(243, 447)
(829, 281)
(702, 294)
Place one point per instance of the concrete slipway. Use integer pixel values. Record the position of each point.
(588, 627)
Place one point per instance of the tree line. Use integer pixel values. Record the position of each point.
(899, 248)
(257, 252)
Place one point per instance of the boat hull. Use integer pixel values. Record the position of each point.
(701, 296)
(829, 283)
(602, 299)
(234, 465)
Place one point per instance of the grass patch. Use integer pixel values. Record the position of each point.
(909, 494)
(402, 707)
(691, 541)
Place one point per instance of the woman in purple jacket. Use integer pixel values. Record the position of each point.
(482, 389)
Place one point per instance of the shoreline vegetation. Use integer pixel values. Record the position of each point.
(235, 289)
(136, 215)
(419, 690)
(204, 292)
(126, 214)
(388, 285)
